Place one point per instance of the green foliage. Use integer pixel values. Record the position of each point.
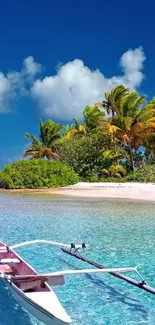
(5, 181)
(114, 98)
(100, 146)
(150, 142)
(121, 102)
(112, 179)
(141, 175)
(85, 154)
(104, 179)
(110, 156)
(92, 179)
(37, 173)
(105, 172)
(92, 116)
(118, 170)
(66, 129)
(50, 135)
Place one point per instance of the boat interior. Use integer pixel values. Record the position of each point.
(12, 264)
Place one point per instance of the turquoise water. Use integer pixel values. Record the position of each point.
(118, 233)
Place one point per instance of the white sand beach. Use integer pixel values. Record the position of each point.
(132, 191)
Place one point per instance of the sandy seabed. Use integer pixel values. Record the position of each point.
(132, 191)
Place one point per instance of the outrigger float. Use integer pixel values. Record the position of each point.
(34, 291)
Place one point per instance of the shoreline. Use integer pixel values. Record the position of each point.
(132, 191)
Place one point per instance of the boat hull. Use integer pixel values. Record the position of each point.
(33, 308)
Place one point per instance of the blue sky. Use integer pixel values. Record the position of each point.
(58, 56)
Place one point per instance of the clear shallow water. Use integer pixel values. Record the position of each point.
(118, 233)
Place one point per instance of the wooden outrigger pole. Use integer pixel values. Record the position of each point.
(140, 285)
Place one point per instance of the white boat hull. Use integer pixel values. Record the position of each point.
(31, 307)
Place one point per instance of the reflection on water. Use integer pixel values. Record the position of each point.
(118, 234)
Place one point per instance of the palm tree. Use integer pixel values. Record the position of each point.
(92, 116)
(111, 104)
(121, 102)
(76, 129)
(67, 128)
(150, 143)
(134, 127)
(50, 135)
(131, 105)
(132, 120)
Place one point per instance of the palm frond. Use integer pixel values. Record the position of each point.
(71, 133)
(127, 123)
(119, 91)
(32, 153)
(92, 116)
(77, 121)
(50, 132)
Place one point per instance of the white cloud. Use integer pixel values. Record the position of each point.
(5, 93)
(132, 60)
(64, 95)
(74, 86)
(132, 64)
(31, 67)
(16, 84)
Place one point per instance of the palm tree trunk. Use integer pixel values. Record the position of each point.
(131, 157)
(138, 163)
(115, 148)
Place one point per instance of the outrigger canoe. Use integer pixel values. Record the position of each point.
(34, 292)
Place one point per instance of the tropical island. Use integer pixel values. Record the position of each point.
(114, 143)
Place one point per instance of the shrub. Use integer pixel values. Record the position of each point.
(118, 170)
(105, 172)
(37, 173)
(112, 179)
(85, 154)
(93, 178)
(5, 181)
(141, 175)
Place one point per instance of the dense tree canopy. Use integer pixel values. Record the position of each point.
(86, 154)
